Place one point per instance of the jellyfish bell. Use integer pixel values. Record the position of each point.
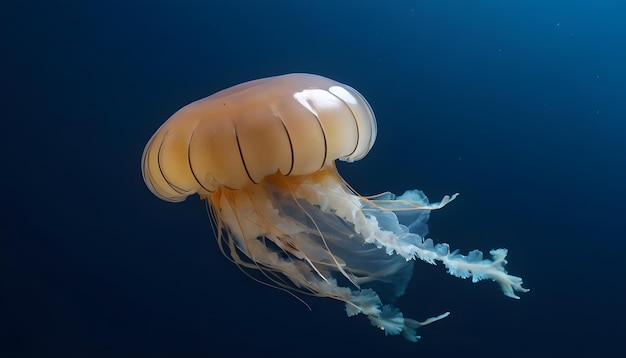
(263, 155)
(294, 124)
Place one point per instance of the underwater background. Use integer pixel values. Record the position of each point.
(520, 106)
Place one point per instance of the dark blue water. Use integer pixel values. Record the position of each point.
(519, 107)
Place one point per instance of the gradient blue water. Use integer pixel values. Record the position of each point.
(519, 107)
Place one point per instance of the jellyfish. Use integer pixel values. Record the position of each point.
(262, 154)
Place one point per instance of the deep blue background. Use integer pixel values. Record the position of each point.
(519, 106)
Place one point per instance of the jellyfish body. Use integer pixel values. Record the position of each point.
(262, 154)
